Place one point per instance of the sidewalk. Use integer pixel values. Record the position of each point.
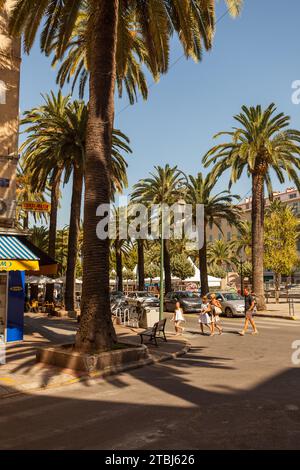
(280, 310)
(21, 374)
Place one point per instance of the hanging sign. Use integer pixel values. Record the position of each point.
(36, 206)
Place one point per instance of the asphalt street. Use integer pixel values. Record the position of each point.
(228, 392)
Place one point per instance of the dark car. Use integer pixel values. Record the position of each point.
(189, 301)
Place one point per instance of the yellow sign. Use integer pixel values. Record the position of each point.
(18, 265)
(36, 206)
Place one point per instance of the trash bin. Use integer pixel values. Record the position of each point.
(149, 317)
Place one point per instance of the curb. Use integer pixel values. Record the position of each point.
(280, 317)
(112, 371)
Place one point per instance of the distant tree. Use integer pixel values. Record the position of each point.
(281, 235)
(181, 267)
(39, 237)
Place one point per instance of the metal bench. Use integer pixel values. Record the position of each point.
(155, 333)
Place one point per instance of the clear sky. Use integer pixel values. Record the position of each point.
(254, 60)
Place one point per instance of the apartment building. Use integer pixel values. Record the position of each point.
(290, 196)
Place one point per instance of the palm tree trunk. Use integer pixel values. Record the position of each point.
(119, 267)
(167, 267)
(49, 296)
(96, 331)
(26, 221)
(53, 213)
(141, 264)
(277, 287)
(258, 239)
(203, 265)
(74, 230)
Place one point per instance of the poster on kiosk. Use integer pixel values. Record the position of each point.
(12, 298)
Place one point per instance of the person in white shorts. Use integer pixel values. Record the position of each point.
(178, 318)
(216, 311)
(204, 317)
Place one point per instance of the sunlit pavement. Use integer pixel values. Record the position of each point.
(227, 392)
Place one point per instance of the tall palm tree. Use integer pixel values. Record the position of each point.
(56, 140)
(165, 186)
(40, 158)
(155, 21)
(216, 207)
(263, 142)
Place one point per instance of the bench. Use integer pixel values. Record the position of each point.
(155, 333)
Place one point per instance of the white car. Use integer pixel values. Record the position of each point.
(143, 297)
(232, 304)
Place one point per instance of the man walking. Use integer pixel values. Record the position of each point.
(249, 309)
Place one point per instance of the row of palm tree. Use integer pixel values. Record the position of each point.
(168, 185)
(107, 36)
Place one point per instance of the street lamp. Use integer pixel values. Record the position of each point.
(242, 262)
(161, 278)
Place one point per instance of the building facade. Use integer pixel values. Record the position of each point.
(10, 61)
(290, 197)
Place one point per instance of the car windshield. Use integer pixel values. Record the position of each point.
(233, 296)
(189, 295)
(144, 294)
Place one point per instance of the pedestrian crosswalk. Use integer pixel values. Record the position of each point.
(235, 325)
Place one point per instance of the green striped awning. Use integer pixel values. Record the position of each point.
(14, 255)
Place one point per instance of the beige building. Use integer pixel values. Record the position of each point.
(290, 196)
(10, 60)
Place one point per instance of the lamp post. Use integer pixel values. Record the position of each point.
(161, 279)
(242, 275)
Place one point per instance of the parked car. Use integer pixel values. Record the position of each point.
(117, 296)
(143, 297)
(232, 304)
(189, 301)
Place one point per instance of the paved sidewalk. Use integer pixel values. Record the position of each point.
(21, 373)
(280, 310)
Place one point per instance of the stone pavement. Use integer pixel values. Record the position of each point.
(22, 374)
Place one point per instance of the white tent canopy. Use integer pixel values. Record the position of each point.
(212, 281)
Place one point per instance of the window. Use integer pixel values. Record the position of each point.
(2, 92)
(292, 196)
(228, 236)
(210, 238)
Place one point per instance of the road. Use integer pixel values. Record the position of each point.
(229, 392)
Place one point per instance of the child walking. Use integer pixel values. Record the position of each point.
(178, 318)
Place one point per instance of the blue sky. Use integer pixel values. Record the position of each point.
(254, 60)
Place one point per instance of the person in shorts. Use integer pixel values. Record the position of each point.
(216, 311)
(250, 306)
(205, 315)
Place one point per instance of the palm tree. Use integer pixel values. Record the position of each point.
(56, 141)
(155, 21)
(40, 159)
(39, 235)
(220, 254)
(217, 207)
(165, 186)
(263, 142)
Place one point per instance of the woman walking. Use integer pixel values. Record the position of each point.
(204, 317)
(178, 318)
(216, 310)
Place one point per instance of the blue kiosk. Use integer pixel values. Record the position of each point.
(15, 259)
